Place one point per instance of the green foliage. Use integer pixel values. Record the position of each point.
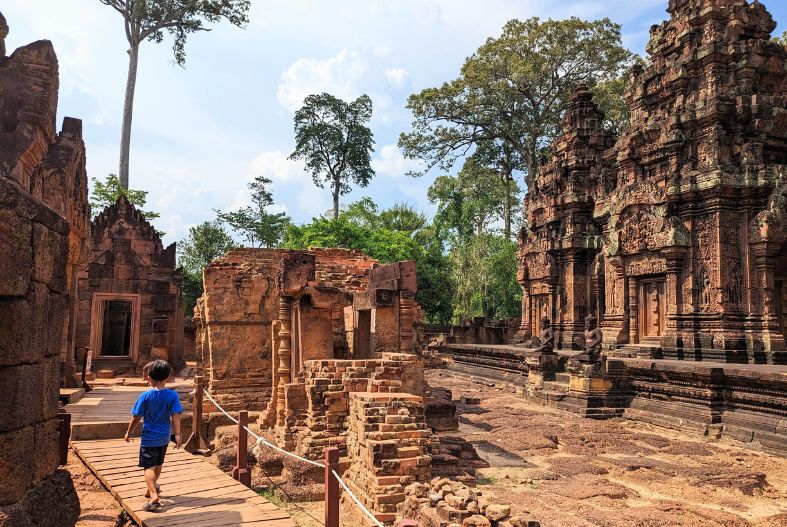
(148, 20)
(471, 201)
(205, 242)
(782, 39)
(332, 137)
(395, 234)
(513, 89)
(485, 275)
(259, 227)
(107, 192)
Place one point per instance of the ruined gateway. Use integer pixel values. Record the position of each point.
(673, 234)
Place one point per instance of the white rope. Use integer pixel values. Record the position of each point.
(261, 440)
(357, 502)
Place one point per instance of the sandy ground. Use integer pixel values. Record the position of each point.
(99, 508)
(566, 471)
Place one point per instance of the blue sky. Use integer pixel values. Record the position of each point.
(201, 133)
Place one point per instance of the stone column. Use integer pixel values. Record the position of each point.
(674, 294)
(633, 295)
(525, 331)
(283, 371)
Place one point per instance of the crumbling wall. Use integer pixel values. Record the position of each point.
(35, 248)
(233, 319)
(388, 445)
(319, 406)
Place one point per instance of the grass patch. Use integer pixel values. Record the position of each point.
(271, 496)
(486, 480)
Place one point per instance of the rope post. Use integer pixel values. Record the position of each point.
(331, 487)
(86, 365)
(240, 471)
(195, 442)
(64, 427)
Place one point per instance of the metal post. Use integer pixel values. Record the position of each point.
(331, 487)
(196, 442)
(241, 471)
(64, 427)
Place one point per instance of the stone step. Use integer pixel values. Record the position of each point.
(562, 377)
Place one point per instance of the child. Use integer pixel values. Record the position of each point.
(155, 407)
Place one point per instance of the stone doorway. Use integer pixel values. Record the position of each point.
(652, 308)
(114, 328)
(363, 335)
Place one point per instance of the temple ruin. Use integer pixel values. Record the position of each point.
(44, 223)
(130, 309)
(672, 235)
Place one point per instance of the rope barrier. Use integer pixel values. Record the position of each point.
(261, 440)
(357, 502)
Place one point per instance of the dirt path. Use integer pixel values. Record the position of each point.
(567, 471)
(99, 508)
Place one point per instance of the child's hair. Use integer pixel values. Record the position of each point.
(159, 370)
(146, 370)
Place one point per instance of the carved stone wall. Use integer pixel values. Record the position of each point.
(43, 211)
(127, 263)
(316, 295)
(683, 214)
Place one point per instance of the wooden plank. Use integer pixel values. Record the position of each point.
(194, 493)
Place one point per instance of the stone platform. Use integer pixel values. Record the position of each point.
(747, 402)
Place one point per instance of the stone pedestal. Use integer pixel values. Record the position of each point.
(597, 389)
(540, 367)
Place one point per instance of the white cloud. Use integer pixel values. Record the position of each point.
(397, 77)
(338, 75)
(274, 165)
(392, 163)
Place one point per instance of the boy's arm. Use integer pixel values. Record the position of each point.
(132, 425)
(176, 427)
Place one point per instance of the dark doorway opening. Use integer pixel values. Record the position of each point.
(116, 330)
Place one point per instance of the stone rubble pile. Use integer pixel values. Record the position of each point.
(446, 503)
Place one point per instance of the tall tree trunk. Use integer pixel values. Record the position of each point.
(507, 205)
(128, 109)
(336, 189)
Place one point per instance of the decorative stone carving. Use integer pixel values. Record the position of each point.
(688, 205)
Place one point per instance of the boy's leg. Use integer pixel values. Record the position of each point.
(150, 481)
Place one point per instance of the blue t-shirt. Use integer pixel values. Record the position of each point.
(155, 407)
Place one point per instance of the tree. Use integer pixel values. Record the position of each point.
(331, 136)
(258, 226)
(147, 20)
(205, 242)
(782, 39)
(473, 200)
(511, 91)
(106, 193)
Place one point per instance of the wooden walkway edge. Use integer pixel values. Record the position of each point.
(194, 493)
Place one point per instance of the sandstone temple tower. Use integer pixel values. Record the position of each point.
(675, 234)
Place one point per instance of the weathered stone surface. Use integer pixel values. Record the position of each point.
(43, 227)
(672, 233)
(128, 262)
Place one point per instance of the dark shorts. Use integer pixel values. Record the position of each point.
(151, 456)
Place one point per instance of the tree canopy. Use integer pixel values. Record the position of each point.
(512, 90)
(149, 20)
(333, 139)
(258, 227)
(107, 192)
(205, 242)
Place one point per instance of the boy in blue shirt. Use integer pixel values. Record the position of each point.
(157, 408)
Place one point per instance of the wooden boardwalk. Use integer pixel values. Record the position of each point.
(103, 413)
(194, 493)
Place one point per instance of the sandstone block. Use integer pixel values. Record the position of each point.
(476, 520)
(496, 511)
